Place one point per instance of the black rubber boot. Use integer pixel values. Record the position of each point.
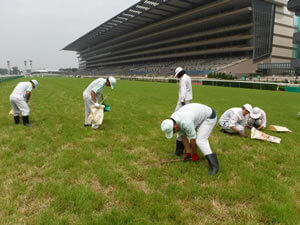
(17, 119)
(26, 121)
(179, 148)
(213, 163)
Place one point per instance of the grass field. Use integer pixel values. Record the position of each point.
(58, 172)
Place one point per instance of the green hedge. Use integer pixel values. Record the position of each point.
(4, 79)
(222, 76)
(172, 80)
(263, 86)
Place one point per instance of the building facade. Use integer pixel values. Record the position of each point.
(232, 36)
(294, 6)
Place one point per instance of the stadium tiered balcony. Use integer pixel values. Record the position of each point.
(162, 31)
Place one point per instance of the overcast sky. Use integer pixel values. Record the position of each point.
(37, 30)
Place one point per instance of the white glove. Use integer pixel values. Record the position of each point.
(97, 105)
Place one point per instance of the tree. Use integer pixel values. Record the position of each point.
(15, 70)
(3, 71)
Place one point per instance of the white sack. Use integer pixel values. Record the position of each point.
(11, 113)
(256, 134)
(96, 116)
(278, 128)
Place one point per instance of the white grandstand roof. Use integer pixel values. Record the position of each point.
(143, 13)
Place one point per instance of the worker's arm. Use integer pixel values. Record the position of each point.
(28, 93)
(194, 146)
(93, 95)
(189, 138)
(233, 121)
(260, 127)
(239, 132)
(186, 144)
(248, 126)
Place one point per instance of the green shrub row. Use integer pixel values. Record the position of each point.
(222, 76)
(263, 86)
(4, 79)
(149, 79)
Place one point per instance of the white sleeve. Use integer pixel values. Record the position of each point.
(182, 89)
(233, 120)
(29, 88)
(98, 87)
(264, 119)
(189, 129)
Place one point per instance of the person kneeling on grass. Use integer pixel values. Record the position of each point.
(233, 120)
(257, 119)
(194, 123)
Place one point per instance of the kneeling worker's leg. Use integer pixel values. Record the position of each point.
(226, 128)
(258, 123)
(251, 122)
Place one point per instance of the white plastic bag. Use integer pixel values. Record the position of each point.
(256, 134)
(96, 116)
(278, 128)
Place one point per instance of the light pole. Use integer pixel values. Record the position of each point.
(8, 67)
(30, 63)
(25, 65)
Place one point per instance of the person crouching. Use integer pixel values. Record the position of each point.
(19, 99)
(194, 123)
(257, 119)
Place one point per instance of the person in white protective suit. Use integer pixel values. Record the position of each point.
(19, 99)
(257, 119)
(185, 95)
(233, 120)
(92, 94)
(194, 123)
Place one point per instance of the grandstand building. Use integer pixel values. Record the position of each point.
(294, 6)
(203, 36)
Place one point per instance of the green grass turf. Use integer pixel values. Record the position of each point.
(58, 172)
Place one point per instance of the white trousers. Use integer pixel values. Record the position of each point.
(179, 105)
(88, 102)
(225, 126)
(19, 105)
(203, 132)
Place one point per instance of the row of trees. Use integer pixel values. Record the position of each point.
(15, 70)
(3, 71)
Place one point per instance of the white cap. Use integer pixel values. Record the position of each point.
(167, 128)
(255, 113)
(35, 83)
(248, 107)
(112, 82)
(177, 71)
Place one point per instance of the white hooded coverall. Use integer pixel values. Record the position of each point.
(195, 121)
(261, 121)
(185, 91)
(18, 98)
(233, 117)
(96, 86)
